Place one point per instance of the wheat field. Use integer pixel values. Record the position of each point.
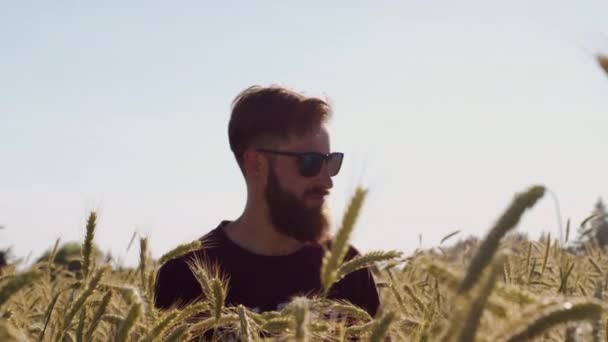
(501, 287)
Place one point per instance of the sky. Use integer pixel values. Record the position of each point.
(444, 109)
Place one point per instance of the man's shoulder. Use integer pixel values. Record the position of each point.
(211, 247)
(176, 283)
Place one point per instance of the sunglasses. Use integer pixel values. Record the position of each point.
(310, 163)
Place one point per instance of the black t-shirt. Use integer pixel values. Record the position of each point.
(259, 282)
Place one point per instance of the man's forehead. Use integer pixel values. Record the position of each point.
(312, 140)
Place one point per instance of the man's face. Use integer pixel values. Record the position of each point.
(296, 203)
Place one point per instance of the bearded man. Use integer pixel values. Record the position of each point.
(273, 250)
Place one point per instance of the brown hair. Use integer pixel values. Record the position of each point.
(260, 113)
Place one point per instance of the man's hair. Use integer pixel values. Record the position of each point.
(261, 114)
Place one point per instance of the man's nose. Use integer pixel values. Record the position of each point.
(326, 180)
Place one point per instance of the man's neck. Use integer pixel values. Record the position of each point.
(255, 233)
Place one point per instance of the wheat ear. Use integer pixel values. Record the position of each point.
(335, 255)
(506, 222)
(87, 247)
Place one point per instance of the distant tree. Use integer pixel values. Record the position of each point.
(595, 229)
(599, 224)
(69, 255)
(461, 249)
(7, 260)
(3, 259)
(603, 61)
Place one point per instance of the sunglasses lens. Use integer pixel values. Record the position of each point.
(310, 164)
(334, 163)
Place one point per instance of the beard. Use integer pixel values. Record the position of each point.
(290, 216)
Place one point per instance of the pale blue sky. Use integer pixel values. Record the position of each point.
(444, 108)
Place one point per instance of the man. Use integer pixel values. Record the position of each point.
(273, 251)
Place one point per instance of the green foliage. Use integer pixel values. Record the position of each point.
(603, 62)
(69, 255)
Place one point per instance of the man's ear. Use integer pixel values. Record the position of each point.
(252, 163)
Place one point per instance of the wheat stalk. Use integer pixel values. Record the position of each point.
(381, 327)
(8, 333)
(538, 321)
(80, 327)
(350, 310)
(219, 296)
(143, 261)
(17, 283)
(506, 222)
(365, 261)
(159, 328)
(98, 315)
(179, 251)
(87, 247)
(334, 257)
(245, 332)
(473, 318)
(179, 333)
(128, 323)
(81, 299)
(302, 318)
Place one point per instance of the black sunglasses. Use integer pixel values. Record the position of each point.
(310, 163)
